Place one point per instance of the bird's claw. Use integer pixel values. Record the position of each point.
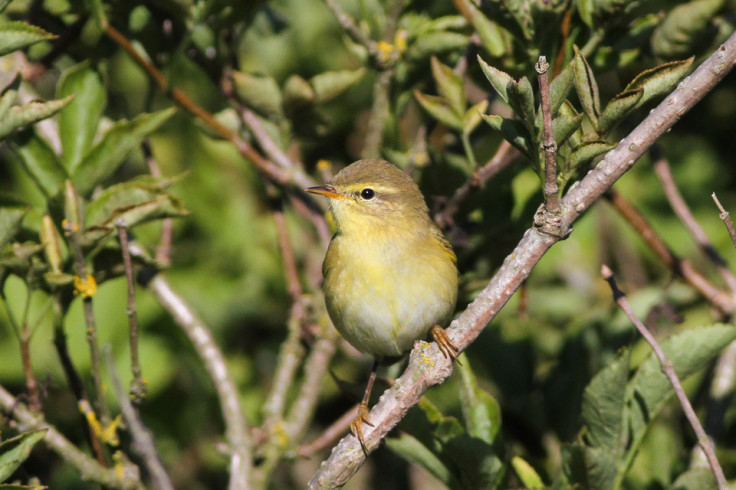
(356, 426)
(449, 350)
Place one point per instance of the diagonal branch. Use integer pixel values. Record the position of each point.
(347, 457)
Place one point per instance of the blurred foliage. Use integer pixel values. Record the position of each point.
(562, 393)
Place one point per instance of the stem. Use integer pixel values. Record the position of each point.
(374, 136)
(88, 468)
(726, 218)
(551, 192)
(143, 442)
(669, 370)
(681, 209)
(138, 384)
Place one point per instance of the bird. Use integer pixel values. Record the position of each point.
(390, 275)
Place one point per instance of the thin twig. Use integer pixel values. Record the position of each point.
(293, 176)
(72, 232)
(669, 370)
(347, 457)
(23, 334)
(726, 217)
(236, 427)
(551, 192)
(505, 154)
(143, 442)
(681, 209)
(683, 267)
(163, 250)
(267, 144)
(138, 384)
(330, 435)
(75, 381)
(88, 468)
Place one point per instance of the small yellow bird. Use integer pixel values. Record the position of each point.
(389, 273)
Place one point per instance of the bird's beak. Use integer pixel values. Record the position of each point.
(327, 191)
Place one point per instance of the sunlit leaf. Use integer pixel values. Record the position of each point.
(589, 150)
(659, 80)
(25, 115)
(481, 411)
(40, 161)
(527, 474)
(259, 92)
(331, 84)
(413, 450)
(603, 405)
(16, 35)
(500, 80)
(685, 29)
(565, 125)
(473, 116)
(79, 120)
(449, 85)
(439, 108)
(10, 221)
(105, 156)
(16, 450)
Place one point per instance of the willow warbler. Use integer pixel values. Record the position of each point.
(389, 273)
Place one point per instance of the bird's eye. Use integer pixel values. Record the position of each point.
(367, 193)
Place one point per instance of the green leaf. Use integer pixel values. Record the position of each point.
(603, 405)
(492, 36)
(521, 99)
(22, 116)
(560, 87)
(696, 479)
(587, 87)
(476, 463)
(297, 93)
(685, 29)
(481, 412)
(331, 84)
(10, 221)
(258, 91)
(564, 126)
(585, 9)
(435, 42)
(40, 161)
(473, 116)
(588, 467)
(618, 108)
(16, 35)
(414, 451)
(133, 202)
(514, 132)
(587, 151)
(650, 389)
(102, 160)
(9, 94)
(16, 450)
(527, 474)
(440, 109)
(79, 120)
(659, 80)
(500, 80)
(450, 86)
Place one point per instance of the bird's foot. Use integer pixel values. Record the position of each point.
(449, 350)
(356, 426)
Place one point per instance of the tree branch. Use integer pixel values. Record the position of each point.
(347, 456)
(669, 370)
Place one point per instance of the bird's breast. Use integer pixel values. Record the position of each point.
(383, 294)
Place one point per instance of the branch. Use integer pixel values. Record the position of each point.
(669, 370)
(723, 302)
(347, 456)
(681, 209)
(725, 216)
(143, 442)
(88, 468)
(551, 198)
(273, 171)
(214, 362)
